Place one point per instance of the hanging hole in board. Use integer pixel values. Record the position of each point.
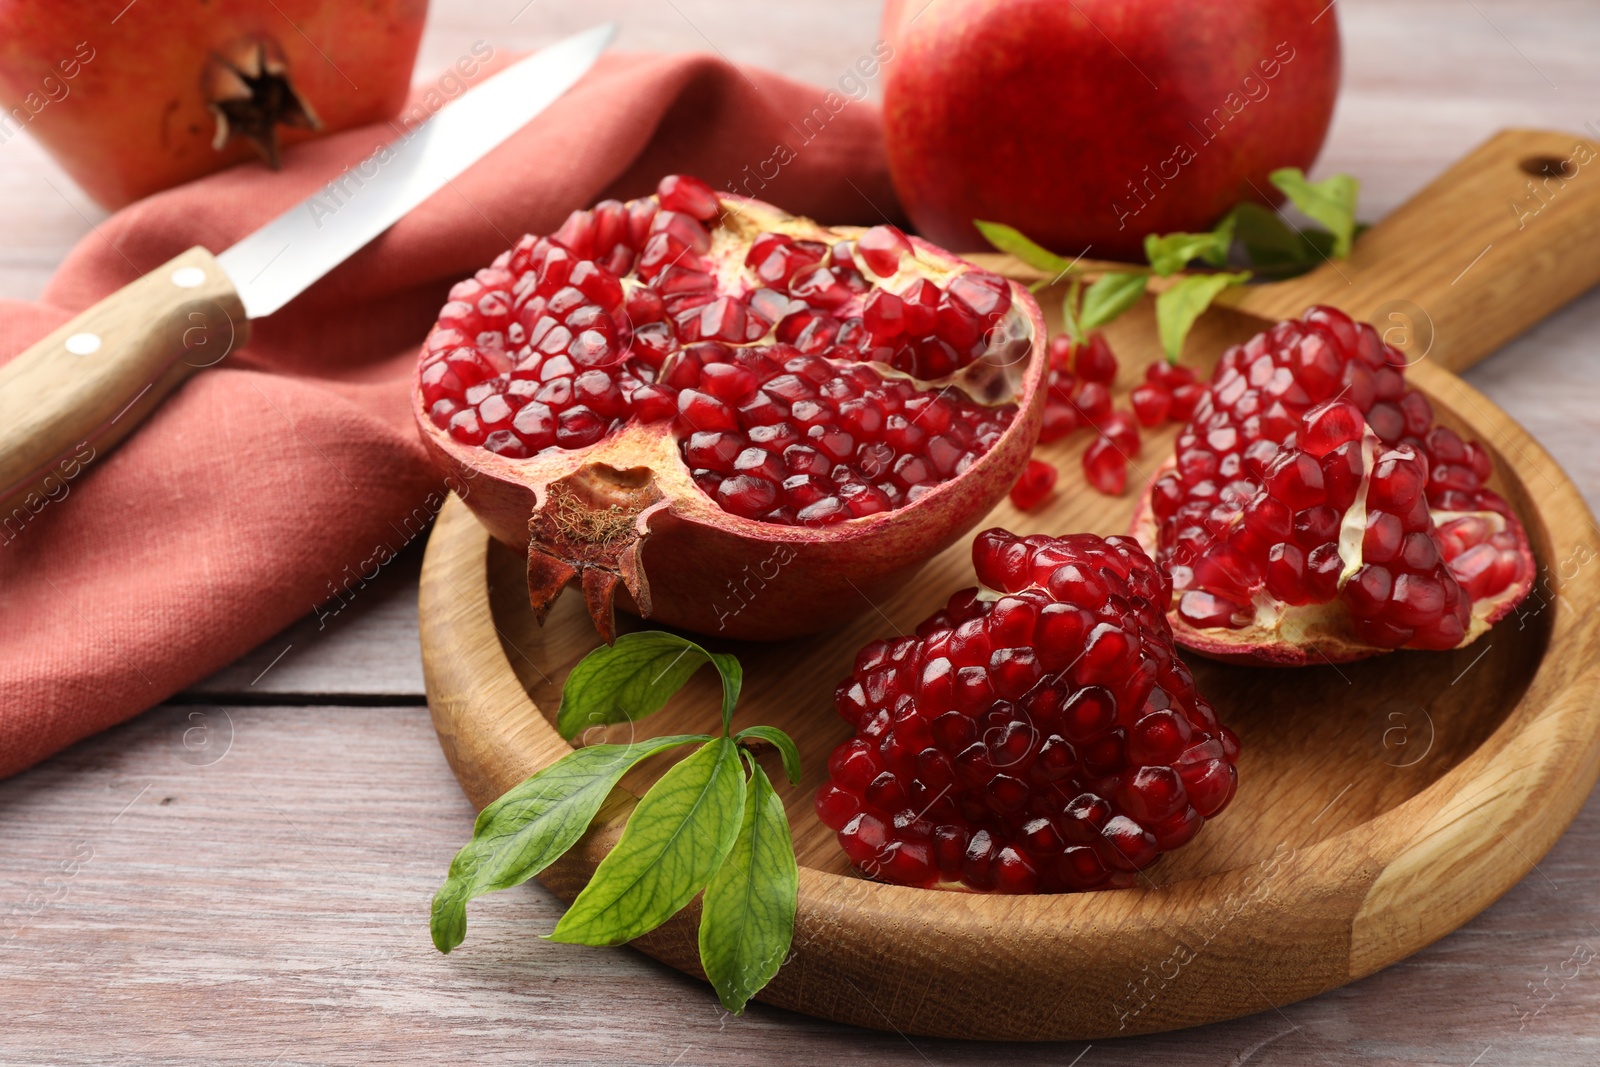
(1548, 167)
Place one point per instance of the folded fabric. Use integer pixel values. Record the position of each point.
(256, 489)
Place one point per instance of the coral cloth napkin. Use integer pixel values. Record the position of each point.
(235, 508)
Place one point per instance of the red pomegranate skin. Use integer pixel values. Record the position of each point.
(1089, 124)
(121, 106)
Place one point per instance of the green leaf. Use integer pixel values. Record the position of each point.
(1179, 307)
(782, 742)
(534, 822)
(1069, 310)
(1324, 245)
(635, 677)
(1171, 252)
(1007, 239)
(674, 842)
(1270, 241)
(1331, 202)
(747, 916)
(1108, 297)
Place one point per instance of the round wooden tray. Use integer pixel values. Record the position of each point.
(1381, 804)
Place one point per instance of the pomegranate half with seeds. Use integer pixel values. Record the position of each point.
(1037, 735)
(1314, 511)
(728, 418)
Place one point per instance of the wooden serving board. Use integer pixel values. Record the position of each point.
(1381, 804)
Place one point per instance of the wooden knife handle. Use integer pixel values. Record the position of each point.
(1490, 247)
(68, 399)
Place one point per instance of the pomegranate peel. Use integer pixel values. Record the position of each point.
(248, 91)
(730, 428)
(182, 90)
(1313, 511)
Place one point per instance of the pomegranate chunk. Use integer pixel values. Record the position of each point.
(1314, 512)
(1045, 738)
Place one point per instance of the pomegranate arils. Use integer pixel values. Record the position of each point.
(796, 343)
(881, 247)
(1034, 485)
(1094, 361)
(1045, 738)
(985, 295)
(1151, 402)
(1123, 431)
(689, 195)
(1079, 395)
(1093, 402)
(1330, 425)
(1309, 474)
(1106, 466)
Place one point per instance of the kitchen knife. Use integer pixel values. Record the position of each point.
(72, 396)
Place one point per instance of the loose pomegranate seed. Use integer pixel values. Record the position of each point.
(1060, 420)
(1043, 740)
(1038, 478)
(1301, 426)
(1060, 352)
(1152, 401)
(1185, 398)
(1123, 431)
(560, 345)
(1094, 361)
(1061, 416)
(1171, 375)
(1106, 467)
(1093, 402)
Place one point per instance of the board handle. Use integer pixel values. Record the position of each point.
(66, 400)
(1489, 248)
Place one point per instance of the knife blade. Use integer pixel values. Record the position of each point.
(277, 262)
(72, 396)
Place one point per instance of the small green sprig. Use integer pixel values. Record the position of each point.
(1270, 247)
(702, 827)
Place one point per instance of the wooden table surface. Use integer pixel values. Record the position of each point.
(242, 876)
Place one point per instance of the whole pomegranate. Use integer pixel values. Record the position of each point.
(1038, 735)
(731, 419)
(135, 98)
(1089, 124)
(1314, 512)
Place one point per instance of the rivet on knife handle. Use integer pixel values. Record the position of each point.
(65, 401)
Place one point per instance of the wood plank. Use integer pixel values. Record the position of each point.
(273, 904)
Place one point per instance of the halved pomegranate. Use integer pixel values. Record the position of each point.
(1313, 511)
(753, 424)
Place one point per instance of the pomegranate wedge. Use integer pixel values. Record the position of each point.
(1314, 512)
